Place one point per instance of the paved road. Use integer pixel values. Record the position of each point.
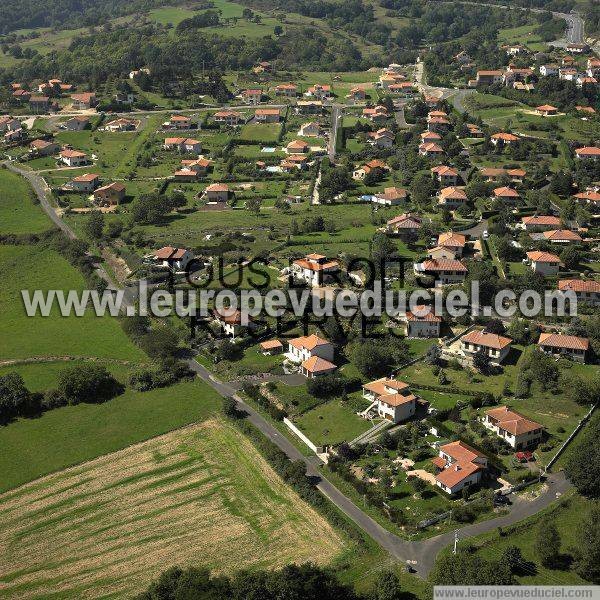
(336, 119)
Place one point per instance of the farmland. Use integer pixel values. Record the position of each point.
(136, 511)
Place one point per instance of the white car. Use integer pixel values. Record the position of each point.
(485, 234)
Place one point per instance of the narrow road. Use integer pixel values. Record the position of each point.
(336, 118)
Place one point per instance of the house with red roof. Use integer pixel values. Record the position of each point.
(314, 269)
(228, 117)
(447, 176)
(445, 271)
(110, 194)
(315, 367)
(431, 150)
(43, 147)
(452, 197)
(217, 192)
(267, 115)
(382, 138)
(378, 113)
(517, 431)
(270, 347)
(361, 172)
(357, 94)
(504, 138)
(405, 226)
(546, 110)
(562, 236)
(73, 158)
(288, 90)
(540, 222)
(571, 346)
(422, 322)
(590, 198)
(506, 194)
(297, 147)
(84, 101)
(181, 144)
(495, 347)
(544, 263)
(458, 466)
(588, 153)
(494, 174)
(430, 137)
(304, 347)
(392, 399)
(320, 92)
(252, 97)
(174, 258)
(488, 77)
(587, 291)
(455, 242)
(391, 196)
(85, 183)
(232, 322)
(77, 123)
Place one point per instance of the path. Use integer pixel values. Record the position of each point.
(336, 118)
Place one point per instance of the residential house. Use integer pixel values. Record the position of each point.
(110, 195)
(85, 183)
(447, 176)
(422, 322)
(271, 347)
(540, 223)
(321, 92)
(252, 97)
(375, 114)
(39, 104)
(586, 109)
(314, 269)
(568, 74)
(452, 197)
(428, 137)
(549, 70)
(474, 131)
(405, 88)
(200, 166)
(493, 174)
(517, 431)
(43, 147)
(84, 101)
(506, 194)
(13, 135)
(78, 123)
(232, 322)
(9, 124)
(228, 117)
(586, 291)
(562, 236)
(217, 192)
(405, 226)
(121, 125)
(591, 198)
(173, 258)
(440, 125)
(316, 367)
(361, 172)
(588, 153)
(183, 145)
(484, 78)
(392, 398)
(571, 346)
(495, 347)
(357, 94)
(544, 263)
(444, 271)
(585, 80)
(391, 196)
(504, 138)
(458, 466)
(294, 162)
(310, 129)
(382, 138)
(178, 122)
(288, 90)
(21, 95)
(297, 147)
(267, 115)
(302, 348)
(309, 107)
(574, 48)
(455, 242)
(593, 66)
(431, 150)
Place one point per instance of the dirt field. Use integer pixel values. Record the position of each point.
(199, 495)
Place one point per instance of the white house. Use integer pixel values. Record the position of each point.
(391, 196)
(175, 258)
(393, 399)
(572, 346)
(544, 263)
(85, 183)
(495, 347)
(458, 466)
(445, 271)
(422, 323)
(231, 322)
(516, 430)
(314, 269)
(302, 348)
(73, 158)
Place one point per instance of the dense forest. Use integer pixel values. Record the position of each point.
(68, 14)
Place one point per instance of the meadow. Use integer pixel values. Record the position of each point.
(199, 495)
(18, 208)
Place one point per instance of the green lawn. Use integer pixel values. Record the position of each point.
(73, 434)
(332, 423)
(18, 209)
(260, 132)
(33, 268)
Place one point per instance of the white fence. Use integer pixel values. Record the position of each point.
(295, 430)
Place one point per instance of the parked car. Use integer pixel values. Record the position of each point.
(501, 500)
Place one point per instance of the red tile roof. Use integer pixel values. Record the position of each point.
(568, 342)
(512, 421)
(488, 340)
(579, 285)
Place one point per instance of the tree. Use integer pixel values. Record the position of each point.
(547, 544)
(87, 383)
(481, 361)
(582, 466)
(433, 355)
(253, 204)
(230, 408)
(512, 557)
(387, 586)
(93, 226)
(14, 397)
(159, 343)
(470, 569)
(277, 30)
(418, 485)
(587, 554)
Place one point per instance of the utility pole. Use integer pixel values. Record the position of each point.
(455, 541)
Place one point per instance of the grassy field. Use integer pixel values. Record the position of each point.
(33, 268)
(17, 207)
(199, 495)
(73, 434)
(332, 423)
(565, 514)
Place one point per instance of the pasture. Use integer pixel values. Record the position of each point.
(201, 495)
